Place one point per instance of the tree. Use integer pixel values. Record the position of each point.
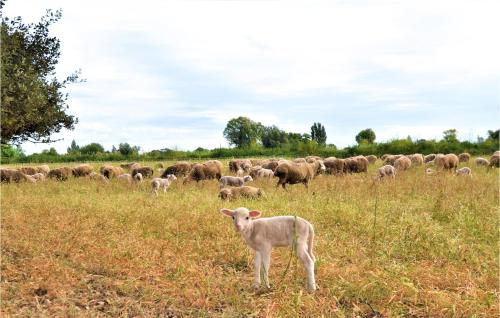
(127, 150)
(92, 149)
(450, 135)
(73, 147)
(366, 136)
(318, 133)
(273, 137)
(494, 134)
(242, 131)
(33, 103)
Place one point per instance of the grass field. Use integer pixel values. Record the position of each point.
(416, 246)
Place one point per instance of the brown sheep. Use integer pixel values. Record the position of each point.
(28, 170)
(237, 164)
(130, 165)
(245, 191)
(494, 161)
(82, 170)
(209, 170)
(402, 163)
(97, 177)
(334, 166)
(356, 164)
(13, 175)
(371, 159)
(111, 171)
(299, 160)
(293, 173)
(145, 171)
(429, 158)
(385, 156)
(254, 171)
(215, 166)
(272, 165)
(61, 174)
(179, 169)
(464, 157)
(390, 159)
(417, 159)
(446, 162)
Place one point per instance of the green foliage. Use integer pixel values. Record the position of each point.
(11, 153)
(127, 150)
(273, 137)
(450, 135)
(33, 103)
(242, 132)
(366, 136)
(318, 133)
(73, 148)
(92, 149)
(493, 134)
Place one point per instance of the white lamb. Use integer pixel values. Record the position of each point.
(265, 173)
(164, 183)
(233, 181)
(465, 171)
(262, 234)
(386, 171)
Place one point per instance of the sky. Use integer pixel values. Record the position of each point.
(170, 74)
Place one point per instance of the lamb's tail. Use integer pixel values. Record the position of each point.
(310, 240)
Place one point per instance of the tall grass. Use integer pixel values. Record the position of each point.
(422, 246)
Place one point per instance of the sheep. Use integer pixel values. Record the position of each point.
(265, 233)
(386, 171)
(293, 173)
(145, 171)
(82, 170)
(215, 167)
(205, 171)
(446, 162)
(482, 162)
(61, 174)
(272, 165)
(138, 177)
(126, 178)
(299, 160)
(464, 157)
(494, 161)
(13, 175)
(265, 173)
(164, 183)
(465, 171)
(111, 171)
(417, 159)
(130, 166)
(98, 177)
(390, 159)
(429, 157)
(179, 169)
(402, 163)
(254, 171)
(43, 169)
(38, 176)
(356, 164)
(334, 166)
(237, 164)
(28, 170)
(311, 159)
(233, 181)
(371, 159)
(244, 191)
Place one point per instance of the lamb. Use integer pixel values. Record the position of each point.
(481, 162)
(254, 171)
(386, 171)
(446, 162)
(38, 176)
(402, 163)
(465, 171)
(179, 169)
(265, 173)
(244, 191)
(61, 174)
(164, 183)
(233, 181)
(145, 171)
(263, 234)
(126, 178)
(82, 170)
(293, 173)
(464, 157)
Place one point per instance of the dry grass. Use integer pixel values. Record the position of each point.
(81, 248)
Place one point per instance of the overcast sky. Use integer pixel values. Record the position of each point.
(165, 74)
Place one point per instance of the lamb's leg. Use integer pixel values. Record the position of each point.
(266, 261)
(257, 265)
(308, 264)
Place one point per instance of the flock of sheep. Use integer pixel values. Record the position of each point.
(263, 233)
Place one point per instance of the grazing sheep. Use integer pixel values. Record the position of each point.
(429, 158)
(446, 162)
(244, 191)
(179, 169)
(38, 176)
(299, 160)
(293, 173)
(164, 183)
(28, 170)
(204, 171)
(138, 177)
(402, 163)
(464, 157)
(430, 171)
(311, 159)
(237, 164)
(371, 159)
(13, 175)
(126, 177)
(272, 165)
(390, 159)
(130, 166)
(386, 171)
(482, 162)
(263, 234)
(254, 171)
(82, 170)
(214, 167)
(145, 171)
(98, 177)
(233, 181)
(417, 159)
(111, 171)
(334, 166)
(494, 161)
(385, 156)
(61, 174)
(356, 164)
(265, 173)
(43, 169)
(465, 171)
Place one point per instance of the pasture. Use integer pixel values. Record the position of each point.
(415, 246)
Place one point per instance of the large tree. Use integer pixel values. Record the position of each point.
(366, 136)
(242, 131)
(273, 137)
(33, 102)
(318, 133)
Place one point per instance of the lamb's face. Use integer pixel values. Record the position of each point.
(171, 177)
(242, 217)
(247, 178)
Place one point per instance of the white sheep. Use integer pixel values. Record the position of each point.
(138, 177)
(265, 173)
(386, 171)
(164, 183)
(233, 181)
(465, 171)
(125, 177)
(482, 162)
(265, 233)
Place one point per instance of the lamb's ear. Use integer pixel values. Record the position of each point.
(254, 214)
(227, 212)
